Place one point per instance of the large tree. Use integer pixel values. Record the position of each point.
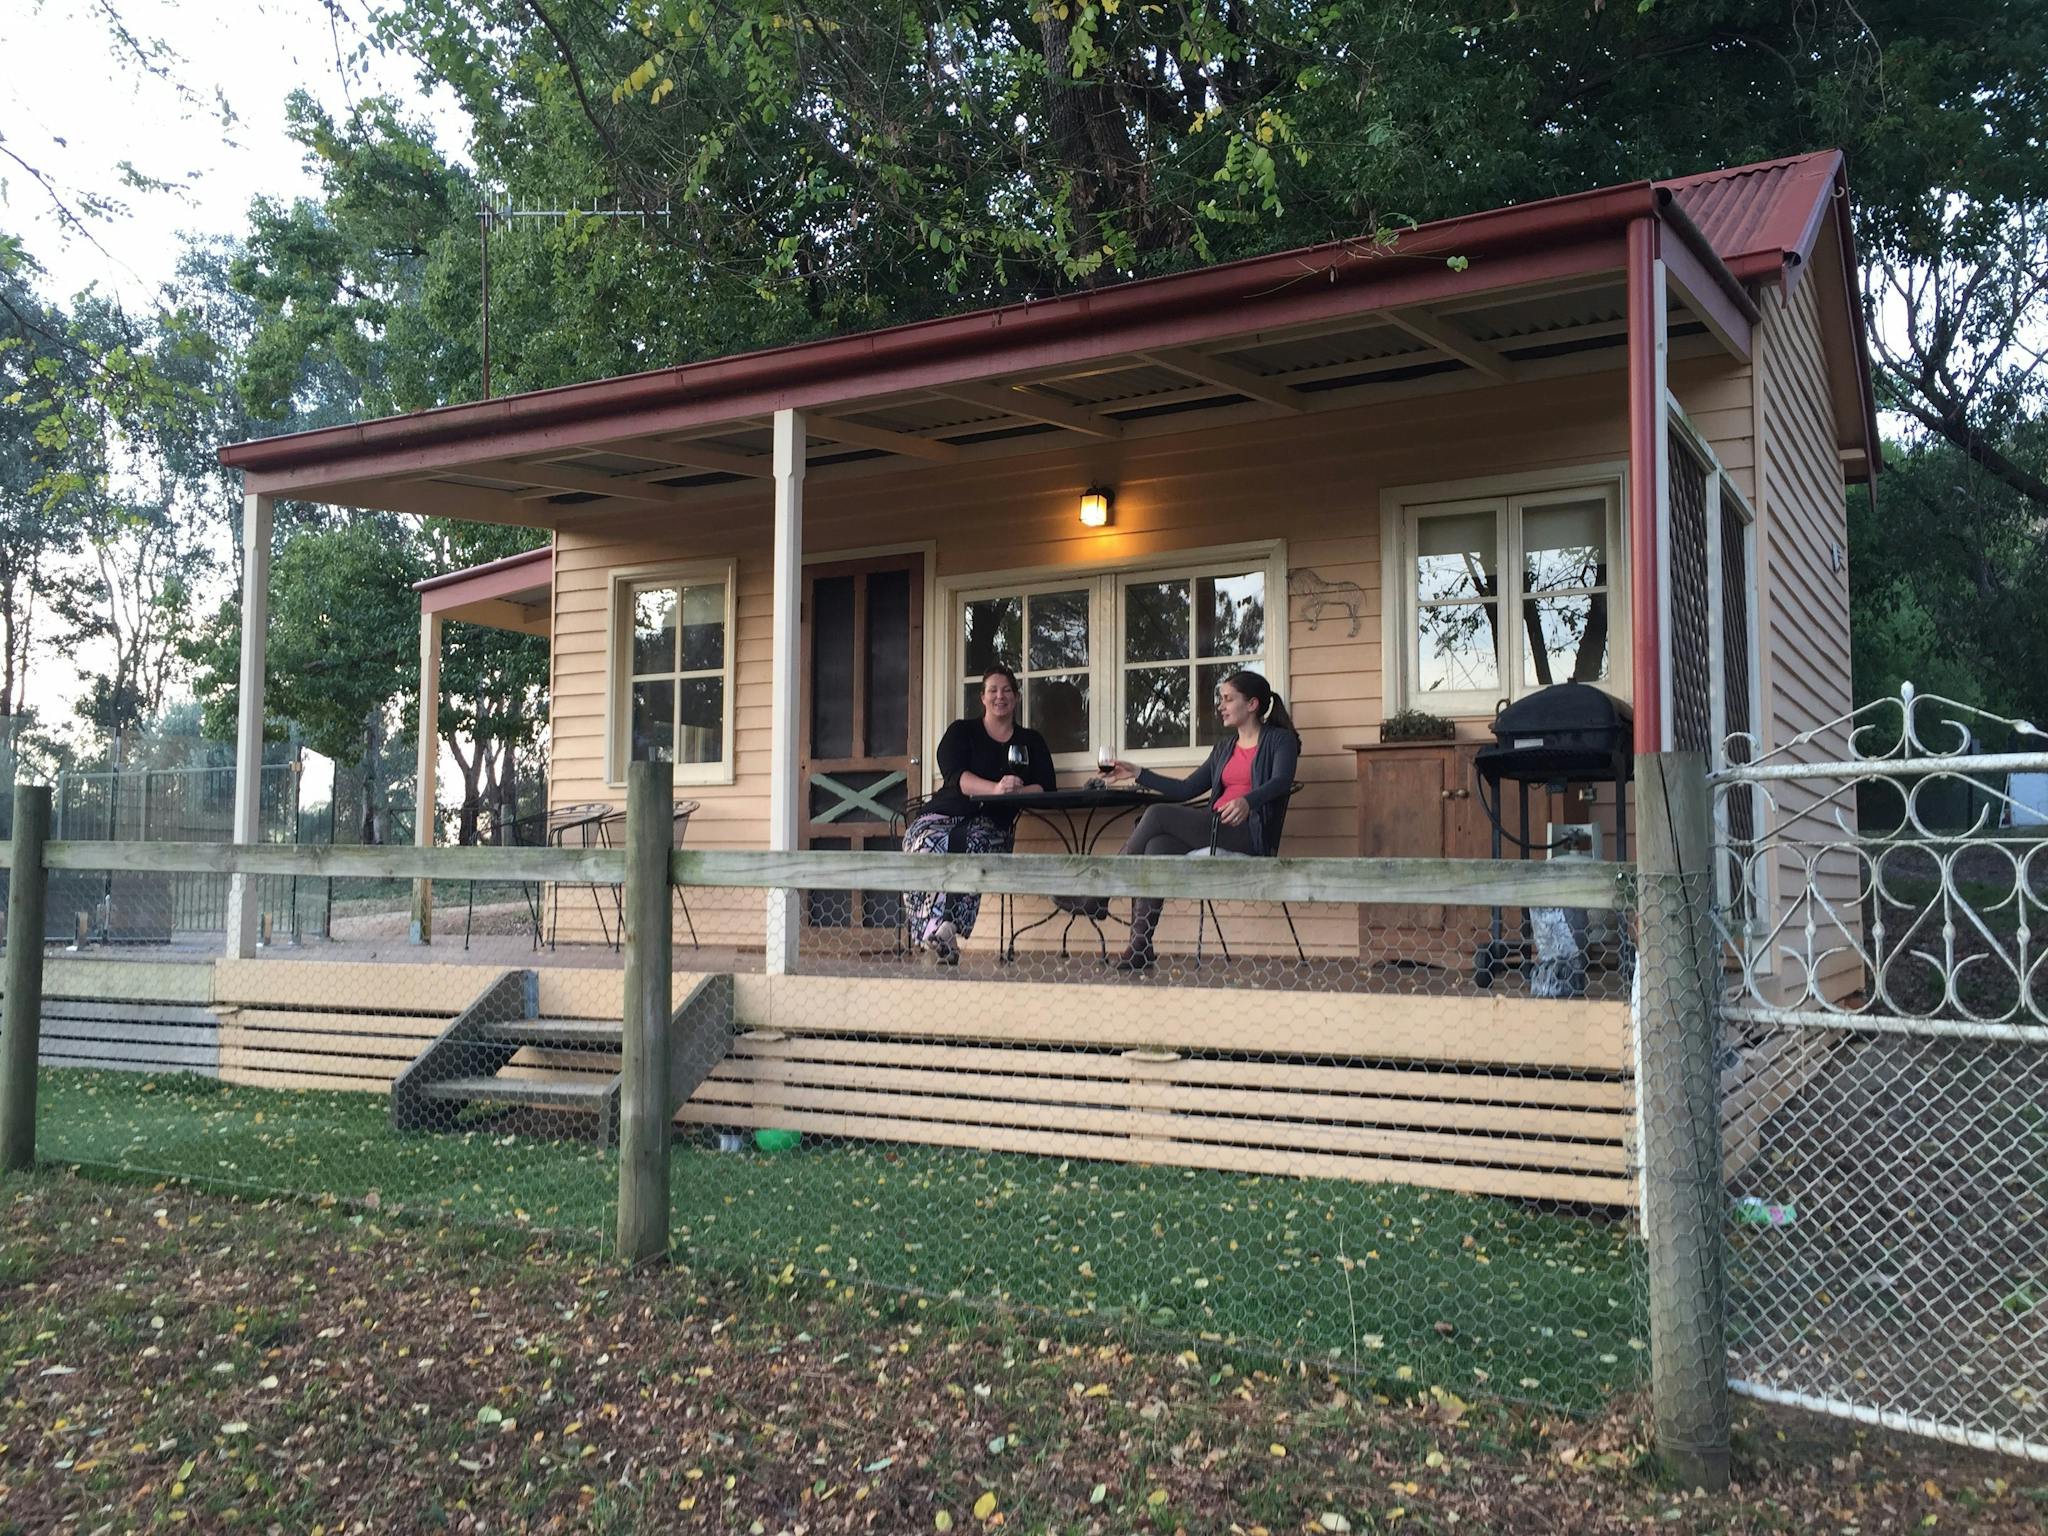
(341, 656)
(829, 164)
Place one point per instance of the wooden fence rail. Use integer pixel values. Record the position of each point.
(1380, 882)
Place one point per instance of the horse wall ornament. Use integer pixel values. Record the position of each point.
(1323, 594)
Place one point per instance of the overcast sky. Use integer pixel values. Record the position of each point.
(74, 106)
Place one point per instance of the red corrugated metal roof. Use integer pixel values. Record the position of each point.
(1758, 213)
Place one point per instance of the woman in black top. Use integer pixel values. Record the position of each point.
(990, 756)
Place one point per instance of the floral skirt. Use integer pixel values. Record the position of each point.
(948, 834)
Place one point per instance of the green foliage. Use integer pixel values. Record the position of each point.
(1949, 579)
(1416, 725)
(835, 165)
(342, 640)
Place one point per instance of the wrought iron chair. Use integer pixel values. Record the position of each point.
(685, 809)
(1206, 913)
(1006, 911)
(581, 826)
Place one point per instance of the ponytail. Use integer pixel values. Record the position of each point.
(1272, 710)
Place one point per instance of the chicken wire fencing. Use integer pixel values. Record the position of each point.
(1884, 1072)
(1398, 1139)
(476, 1086)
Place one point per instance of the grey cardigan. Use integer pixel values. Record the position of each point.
(1273, 768)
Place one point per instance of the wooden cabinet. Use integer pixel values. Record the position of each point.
(1420, 800)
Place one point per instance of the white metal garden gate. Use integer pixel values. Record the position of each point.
(1885, 1071)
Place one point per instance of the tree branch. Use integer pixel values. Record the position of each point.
(568, 54)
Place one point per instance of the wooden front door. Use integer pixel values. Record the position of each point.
(863, 718)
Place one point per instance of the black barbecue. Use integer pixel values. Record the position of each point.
(1568, 733)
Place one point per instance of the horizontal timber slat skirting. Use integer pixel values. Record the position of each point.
(1474, 1087)
(1485, 1094)
(1509, 1151)
(1487, 1030)
(994, 1138)
(1306, 1107)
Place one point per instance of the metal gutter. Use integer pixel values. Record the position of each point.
(1681, 224)
(488, 568)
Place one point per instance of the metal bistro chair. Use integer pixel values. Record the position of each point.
(579, 826)
(1207, 911)
(685, 809)
(1006, 912)
(520, 827)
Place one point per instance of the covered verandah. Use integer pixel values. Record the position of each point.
(1601, 291)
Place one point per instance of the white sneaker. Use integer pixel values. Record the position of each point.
(945, 944)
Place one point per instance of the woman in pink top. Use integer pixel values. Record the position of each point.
(1248, 778)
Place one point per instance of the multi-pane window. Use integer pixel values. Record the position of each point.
(1129, 660)
(1044, 637)
(675, 685)
(1182, 635)
(1507, 594)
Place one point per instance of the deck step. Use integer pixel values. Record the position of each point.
(506, 1090)
(554, 1032)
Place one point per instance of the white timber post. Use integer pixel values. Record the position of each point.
(787, 696)
(242, 901)
(426, 799)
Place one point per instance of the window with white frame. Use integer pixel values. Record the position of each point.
(1501, 595)
(1044, 635)
(1128, 658)
(672, 672)
(1181, 636)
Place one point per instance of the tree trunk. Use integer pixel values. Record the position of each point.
(1089, 134)
(376, 807)
(466, 817)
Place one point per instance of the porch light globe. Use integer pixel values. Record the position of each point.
(1095, 508)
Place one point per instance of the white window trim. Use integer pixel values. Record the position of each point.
(1398, 507)
(1105, 659)
(619, 613)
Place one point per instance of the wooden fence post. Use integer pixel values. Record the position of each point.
(644, 1107)
(1679, 1116)
(21, 1027)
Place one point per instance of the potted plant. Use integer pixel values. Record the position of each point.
(1416, 725)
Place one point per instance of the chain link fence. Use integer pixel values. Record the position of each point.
(1446, 1126)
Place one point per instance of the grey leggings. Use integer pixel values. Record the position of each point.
(1172, 829)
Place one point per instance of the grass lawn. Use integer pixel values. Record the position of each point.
(180, 1360)
(1407, 1285)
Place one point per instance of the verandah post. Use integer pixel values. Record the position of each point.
(243, 901)
(1679, 1116)
(21, 1025)
(644, 1107)
(425, 797)
(785, 716)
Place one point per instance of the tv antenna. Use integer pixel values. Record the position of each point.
(487, 216)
